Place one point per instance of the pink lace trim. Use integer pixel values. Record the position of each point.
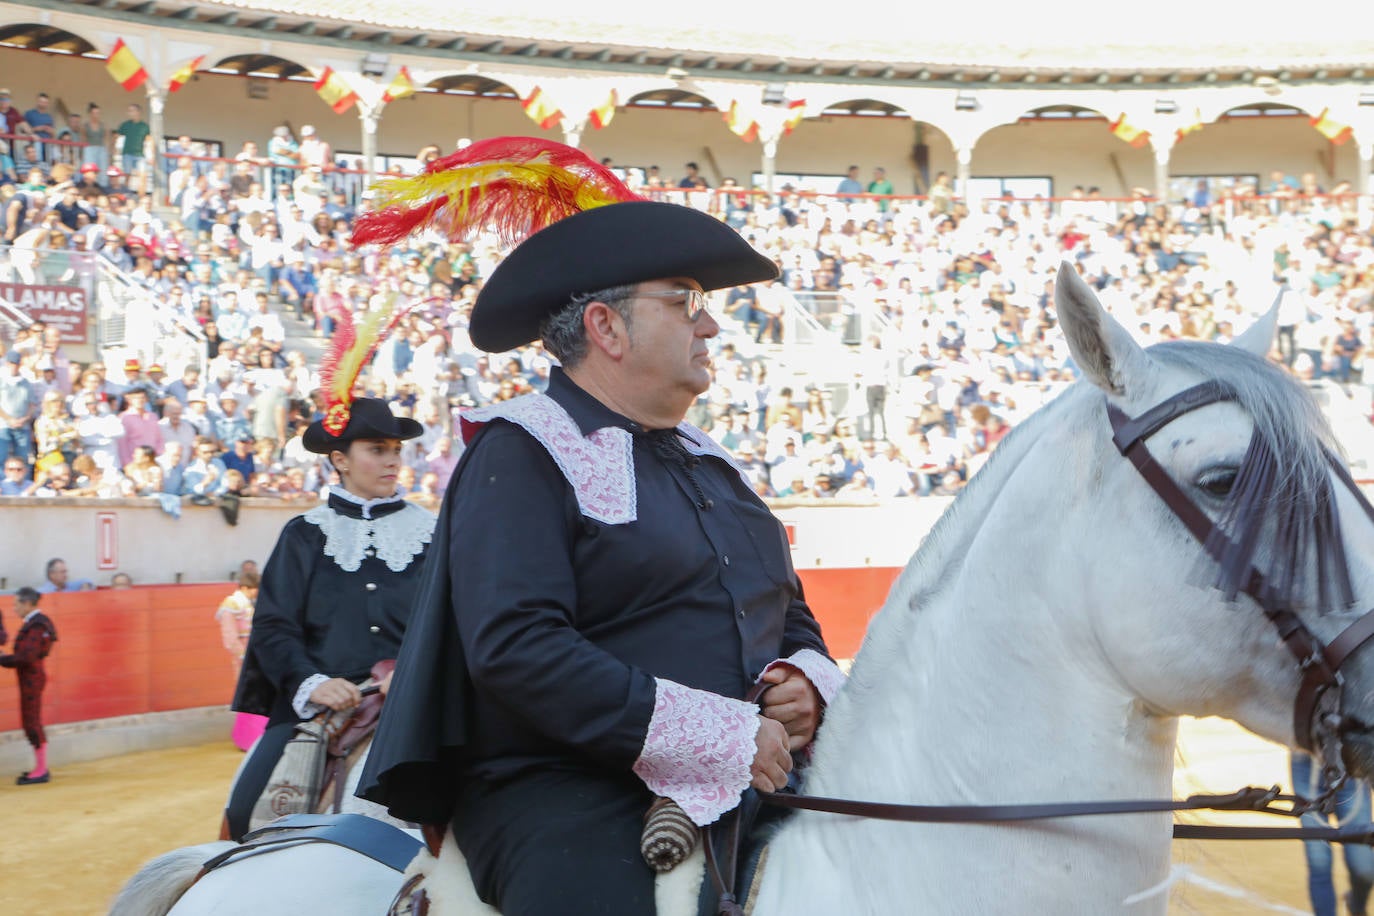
(823, 674)
(698, 749)
(600, 467)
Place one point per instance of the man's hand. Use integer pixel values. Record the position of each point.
(793, 702)
(772, 760)
(338, 694)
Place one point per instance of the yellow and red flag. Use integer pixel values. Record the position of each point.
(742, 126)
(541, 109)
(125, 67)
(1332, 130)
(796, 110)
(601, 115)
(1124, 130)
(184, 74)
(335, 91)
(400, 87)
(1191, 127)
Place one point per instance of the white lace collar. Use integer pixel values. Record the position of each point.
(397, 538)
(366, 505)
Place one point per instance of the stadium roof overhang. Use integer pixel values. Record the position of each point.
(372, 26)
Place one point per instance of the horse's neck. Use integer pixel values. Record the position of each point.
(980, 683)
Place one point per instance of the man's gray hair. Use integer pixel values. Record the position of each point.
(563, 333)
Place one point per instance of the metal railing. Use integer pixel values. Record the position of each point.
(133, 320)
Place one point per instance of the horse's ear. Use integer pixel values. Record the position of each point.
(1103, 350)
(1259, 337)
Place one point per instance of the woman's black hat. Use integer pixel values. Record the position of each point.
(367, 418)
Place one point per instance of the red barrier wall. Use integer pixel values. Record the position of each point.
(124, 652)
(157, 648)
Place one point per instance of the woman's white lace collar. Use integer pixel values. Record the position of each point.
(366, 505)
(395, 539)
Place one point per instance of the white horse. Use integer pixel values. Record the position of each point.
(1039, 647)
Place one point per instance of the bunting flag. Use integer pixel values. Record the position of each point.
(400, 87)
(124, 67)
(183, 75)
(1133, 135)
(335, 91)
(602, 114)
(796, 110)
(1191, 127)
(541, 109)
(747, 129)
(1334, 131)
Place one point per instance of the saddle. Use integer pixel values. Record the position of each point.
(312, 772)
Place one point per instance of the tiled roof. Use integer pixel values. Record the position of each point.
(1142, 37)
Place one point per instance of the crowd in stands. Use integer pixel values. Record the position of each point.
(961, 340)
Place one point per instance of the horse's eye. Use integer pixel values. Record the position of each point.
(1217, 481)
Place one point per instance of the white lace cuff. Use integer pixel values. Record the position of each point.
(823, 674)
(698, 749)
(301, 702)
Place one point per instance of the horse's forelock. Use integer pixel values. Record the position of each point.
(1280, 515)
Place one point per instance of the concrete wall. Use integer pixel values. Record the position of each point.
(147, 543)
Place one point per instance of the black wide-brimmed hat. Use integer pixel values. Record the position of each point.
(367, 418)
(612, 245)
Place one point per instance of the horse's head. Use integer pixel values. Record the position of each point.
(1246, 530)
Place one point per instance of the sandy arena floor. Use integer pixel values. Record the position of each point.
(101, 819)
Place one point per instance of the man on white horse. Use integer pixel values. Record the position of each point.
(605, 586)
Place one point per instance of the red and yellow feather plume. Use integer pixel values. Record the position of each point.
(513, 186)
(350, 350)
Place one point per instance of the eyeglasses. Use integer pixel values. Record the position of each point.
(694, 299)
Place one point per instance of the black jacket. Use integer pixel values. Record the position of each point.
(539, 631)
(313, 616)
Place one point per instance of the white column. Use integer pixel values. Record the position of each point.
(964, 157)
(770, 163)
(157, 102)
(1363, 185)
(1162, 155)
(369, 114)
(572, 133)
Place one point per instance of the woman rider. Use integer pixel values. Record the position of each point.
(335, 594)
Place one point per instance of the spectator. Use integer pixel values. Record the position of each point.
(850, 185)
(54, 479)
(881, 185)
(41, 124)
(95, 136)
(203, 477)
(140, 426)
(121, 581)
(16, 481)
(57, 579)
(17, 407)
(130, 140)
(1352, 811)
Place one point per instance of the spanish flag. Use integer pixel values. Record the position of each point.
(124, 67)
(745, 128)
(335, 91)
(602, 114)
(1191, 127)
(183, 75)
(541, 109)
(796, 110)
(400, 87)
(1129, 132)
(1334, 131)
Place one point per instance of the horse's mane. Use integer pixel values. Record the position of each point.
(1280, 516)
(1283, 489)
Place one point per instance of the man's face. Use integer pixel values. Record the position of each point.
(15, 470)
(667, 352)
(57, 575)
(134, 112)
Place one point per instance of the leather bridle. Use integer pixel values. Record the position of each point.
(1317, 722)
